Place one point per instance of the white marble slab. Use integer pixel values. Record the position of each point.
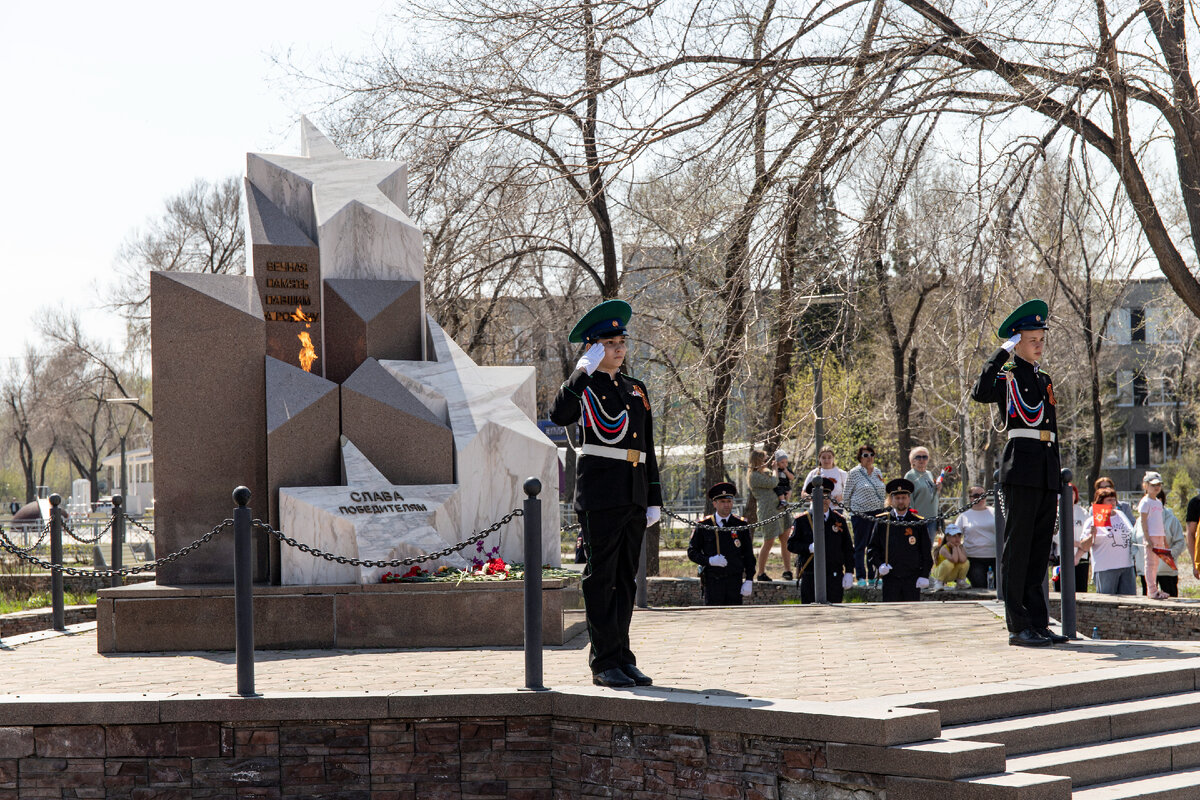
(491, 412)
(368, 518)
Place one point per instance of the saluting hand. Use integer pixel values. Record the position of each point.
(1012, 343)
(591, 358)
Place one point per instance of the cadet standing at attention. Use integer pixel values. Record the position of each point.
(839, 549)
(1029, 469)
(617, 491)
(726, 557)
(900, 548)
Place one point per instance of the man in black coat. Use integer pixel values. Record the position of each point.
(839, 549)
(1030, 480)
(900, 548)
(617, 490)
(726, 557)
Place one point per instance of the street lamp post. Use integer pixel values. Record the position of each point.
(119, 546)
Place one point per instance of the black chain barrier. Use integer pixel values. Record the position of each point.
(396, 562)
(791, 507)
(93, 539)
(7, 545)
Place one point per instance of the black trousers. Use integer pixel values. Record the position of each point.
(612, 539)
(977, 571)
(1028, 531)
(901, 588)
(724, 590)
(808, 587)
(1168, 583)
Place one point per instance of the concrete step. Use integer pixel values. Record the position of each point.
(938, 758)
(1001, 786)
(1086, 725)
(1116, 760)
(1178, 785)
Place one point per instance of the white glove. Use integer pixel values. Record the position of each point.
(884, 569)
(653, 515)
(717, 561)
(847, 581)
(591, 358)
(812, 548)
(922, 583)
(1011, 344)
(747, 588)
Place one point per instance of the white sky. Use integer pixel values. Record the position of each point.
(113, 107)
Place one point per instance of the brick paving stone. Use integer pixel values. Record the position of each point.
(828, 653)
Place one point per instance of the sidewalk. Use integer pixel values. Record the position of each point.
(830, 653)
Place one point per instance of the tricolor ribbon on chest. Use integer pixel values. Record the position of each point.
(608, 428)
(1031, 415)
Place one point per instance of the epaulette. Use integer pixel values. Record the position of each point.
(1009, 366)
(915, 514)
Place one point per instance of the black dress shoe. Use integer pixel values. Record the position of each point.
(613, 678)
(1027, 638)
(1055, 638)
(639, 677)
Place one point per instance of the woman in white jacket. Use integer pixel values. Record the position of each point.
(1109, 536)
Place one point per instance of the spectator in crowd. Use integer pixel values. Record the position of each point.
(839, 550)
(1105, 482)
(1108, 534)
(725, 556)
(1192, 517)
(926, 486)
(1150, 521)
(827, 468)
(900, 547)
(951, 562)
(783, 489)
(863, 498)
(762, 480)
(1175, 541)
(978, 524)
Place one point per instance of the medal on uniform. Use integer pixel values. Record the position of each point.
(912, 540)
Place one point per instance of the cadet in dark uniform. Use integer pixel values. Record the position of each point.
(839, 549)
(1029, 469)
(617, 491)
(726, 557)
(900, 549)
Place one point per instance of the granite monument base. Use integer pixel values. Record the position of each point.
(147, 617)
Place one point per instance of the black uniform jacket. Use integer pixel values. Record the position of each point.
(1026, 462)
(839, 548)
(903, 542)
(736, 546)
(606, 482)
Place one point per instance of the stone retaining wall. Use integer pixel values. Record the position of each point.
(39, 619)
(645, 748)
(1126, 618)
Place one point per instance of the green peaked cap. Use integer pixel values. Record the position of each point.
(1030, 315)
(607, 319)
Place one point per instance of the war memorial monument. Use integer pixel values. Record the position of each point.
(318, 381)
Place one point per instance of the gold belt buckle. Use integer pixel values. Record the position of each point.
(1045, 435)
(633, 456)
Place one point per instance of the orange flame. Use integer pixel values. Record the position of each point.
(308, 353)
(300, 316)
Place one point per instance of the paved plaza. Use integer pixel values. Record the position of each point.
(830, 653)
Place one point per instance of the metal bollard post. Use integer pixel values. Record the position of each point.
(998, 507)
(820, 590)
(59, 618)
(243, 592)
(118, 537)
(1066, 556)
(533, 585)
